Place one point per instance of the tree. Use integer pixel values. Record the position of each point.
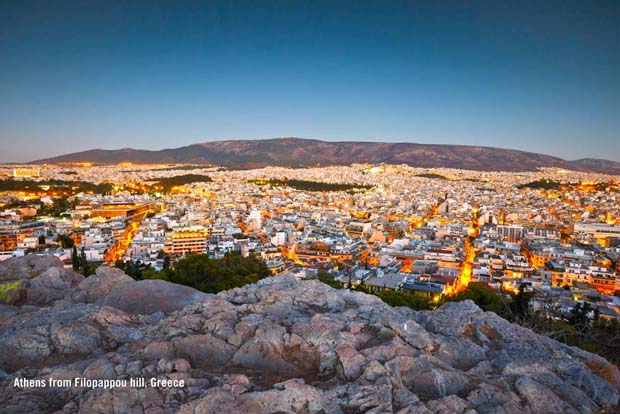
(90, 269)
(75, 259)
(135, 269)
(579, 314)
(83, 261)
(328, 279)
(65, 241)
(206, 274)
(520, 304)
(41, 240)
(150, 273)
(213, 275)
(362, 288)
(398, 298)
(483, 296)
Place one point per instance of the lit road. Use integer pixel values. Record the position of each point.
(117, 251)
(465, 274)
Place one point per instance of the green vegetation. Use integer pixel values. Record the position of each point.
(81, 265)
(482, 295)
(205, 274)
(305, 185)
(65, 241)
(542, 185)
(16, 204)
(432, 176)
(90, 268)
(168, 182)
(9, 291)
(181, 167)
(397, 298)
(435, 176)
(329, 280)
(75, 259)
(56, 209)
(546, 184)
(55, 186)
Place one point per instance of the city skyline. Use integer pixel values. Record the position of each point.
(543, 78)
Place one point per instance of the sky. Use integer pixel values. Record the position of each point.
(536, 76)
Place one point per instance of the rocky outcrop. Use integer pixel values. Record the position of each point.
(96, 287)
(35, 280)
(43, 280)
(286, 346)
(27, 267)
(150, 296)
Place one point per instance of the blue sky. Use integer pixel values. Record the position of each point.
(539, 76)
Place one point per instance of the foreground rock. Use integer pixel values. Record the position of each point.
(35, 280)
(96, 287)
(43, 280)
(27, 267)
(285, 346)
(151, 296)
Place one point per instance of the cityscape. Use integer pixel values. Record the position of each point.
(310, 207)
(429, 232)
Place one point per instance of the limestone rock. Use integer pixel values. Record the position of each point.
(95, 288)
(27, 267)
(150, 296)
(36, 280)
(52, 285)
(281, 346)
(203, 350)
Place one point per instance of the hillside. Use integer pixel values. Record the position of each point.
(593, 164)
(299, 152)
(278, 346)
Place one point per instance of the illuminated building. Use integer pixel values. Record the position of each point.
(395, 229)
(186, 240)
(384, 282)
(26, 172)
(11, 235)
(112, 210)
(598, 230)
(358, 228)
(511, 232)
(606, 284)
(423, 289)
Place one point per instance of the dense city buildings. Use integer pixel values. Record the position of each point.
(429, 232)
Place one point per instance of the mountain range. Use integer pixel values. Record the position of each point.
(301, 152)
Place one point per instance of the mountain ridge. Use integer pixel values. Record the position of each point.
(304, 152)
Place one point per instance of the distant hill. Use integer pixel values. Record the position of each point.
(594, 164)
(300, 152)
